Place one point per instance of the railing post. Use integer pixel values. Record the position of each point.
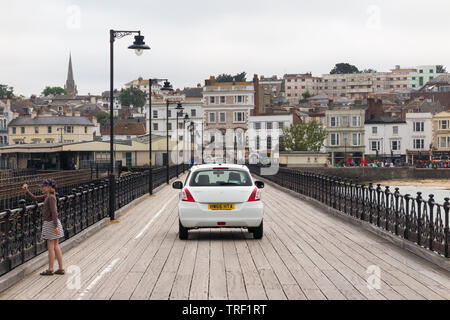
(396, 195)
(430, 224)
(406, 233)
(387, 192)
(378, 190)
(419, 216)
(7, 238)
(351, 197)
(362, 215)
(446, 209)
(23, 207)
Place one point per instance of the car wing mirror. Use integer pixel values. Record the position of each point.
(259, 184)
(177, 185)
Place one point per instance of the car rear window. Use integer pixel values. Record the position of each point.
(220, 177)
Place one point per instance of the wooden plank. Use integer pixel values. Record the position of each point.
(234, 276)
(200, 278)
(183, 278)
(252, 278)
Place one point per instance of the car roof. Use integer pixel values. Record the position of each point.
(215, 165)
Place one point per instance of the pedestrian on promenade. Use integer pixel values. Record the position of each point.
(52, 228)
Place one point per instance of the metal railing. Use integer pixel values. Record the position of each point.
(20, 228)
(419, 220)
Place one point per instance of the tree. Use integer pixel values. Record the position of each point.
(305, 96)
(6, 92)
(308, 136)
(102, 117)
(368, 71)
(239, 77)
(133, 96)
(440, 69)
(344, 68)
(53, 90)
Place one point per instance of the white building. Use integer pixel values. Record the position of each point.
(143, 85)
(419, 134)
(192, 102)
(264, 132)
(386, 137)
(6, 115)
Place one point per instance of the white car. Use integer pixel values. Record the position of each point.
(220, 196)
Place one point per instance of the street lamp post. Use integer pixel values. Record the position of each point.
(138, 45)
(202, 144)
(179, 110)
(185, 119)
(167, 88)
(192, 128)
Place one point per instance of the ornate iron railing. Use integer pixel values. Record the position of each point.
(422, 221)
(20, 228)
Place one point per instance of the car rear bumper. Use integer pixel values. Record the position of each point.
(197, 215)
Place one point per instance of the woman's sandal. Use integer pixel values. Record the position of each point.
(59, 271)
(46, 273)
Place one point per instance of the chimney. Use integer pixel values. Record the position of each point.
(256, 110)
(375, 108)
(330, 104)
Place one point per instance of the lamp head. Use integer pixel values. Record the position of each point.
(167, 87)
(139, 45)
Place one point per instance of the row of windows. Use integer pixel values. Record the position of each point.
(394, 130)
(169, 127)
(375, 145)
(155, 113)
(221, 99)
(269, 125)
(355, 121)
(396, 144)
(355, 139)
(67, 129)
(238, 117)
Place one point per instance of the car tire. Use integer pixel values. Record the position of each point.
(183, 232)
(258, 231)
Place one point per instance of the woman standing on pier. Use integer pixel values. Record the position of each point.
(52, 229)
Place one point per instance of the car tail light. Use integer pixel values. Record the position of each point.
(186, 195)
(256, 195)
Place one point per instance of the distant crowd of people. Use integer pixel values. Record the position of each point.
(433, 164)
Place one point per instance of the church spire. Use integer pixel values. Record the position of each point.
(70, 86)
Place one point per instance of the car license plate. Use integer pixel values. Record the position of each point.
(221, 206)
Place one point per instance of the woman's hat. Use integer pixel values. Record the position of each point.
(48, 183)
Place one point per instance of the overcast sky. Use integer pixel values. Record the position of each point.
(193, 39)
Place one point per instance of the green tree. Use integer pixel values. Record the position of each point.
(440, 69)
(102, 117)
(303, 137)
(53, 90)
(368, 71)
(239, 77)
(344, 68)
(305, 96)
(6, 92)
(133, 96)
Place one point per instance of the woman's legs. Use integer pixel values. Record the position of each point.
(51, 254)
(58, 254)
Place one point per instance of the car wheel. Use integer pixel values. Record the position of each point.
(258, 231)
(182, 231)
